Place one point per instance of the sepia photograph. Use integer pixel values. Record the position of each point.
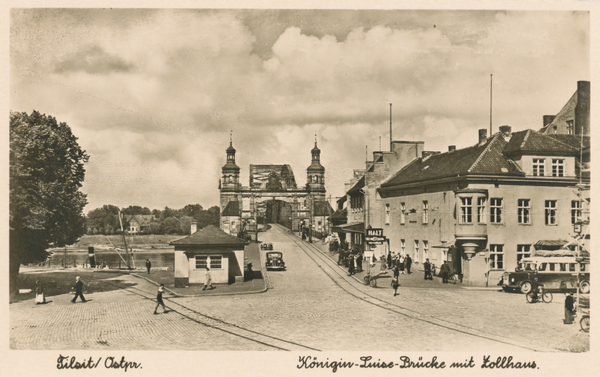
(400, 187)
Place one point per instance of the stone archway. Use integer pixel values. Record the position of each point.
(278, 212)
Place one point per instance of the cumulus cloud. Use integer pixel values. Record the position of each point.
(163, 88)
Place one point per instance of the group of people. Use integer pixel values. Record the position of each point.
(392, 261)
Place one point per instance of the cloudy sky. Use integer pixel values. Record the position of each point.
(153, 94)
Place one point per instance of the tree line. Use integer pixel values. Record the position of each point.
(105, 220)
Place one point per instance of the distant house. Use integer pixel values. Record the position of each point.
(209, 247)
(138, 224)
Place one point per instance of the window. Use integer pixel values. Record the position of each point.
(523, 251)
(425, 212)
(387, 213)
(403, 247)
(214, 261)
(550, 212)
(425, 249)
(466, 210)
(538, 167)
(416, 250)
(481, 210)
(496, 210)
(497, 257)
(570, 127)
(402, 213)
(557, 167)
(523, 211)
(575, 211)
(201, 262)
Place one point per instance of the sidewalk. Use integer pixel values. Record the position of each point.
(256, 284)
(413, 280)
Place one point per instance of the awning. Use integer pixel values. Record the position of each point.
(351, 228)
(549, 244)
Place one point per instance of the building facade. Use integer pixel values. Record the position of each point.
(273, 196)
(485, 207)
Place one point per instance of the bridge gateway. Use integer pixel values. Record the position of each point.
(273, 196)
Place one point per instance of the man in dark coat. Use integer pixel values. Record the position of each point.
(359, 260)
(148, 265)
(427, 267)
(407, 262)
(445, 271)
(78, 290)
(569, 305)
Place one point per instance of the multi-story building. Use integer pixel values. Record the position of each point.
(484, 207)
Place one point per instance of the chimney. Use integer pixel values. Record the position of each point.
(193, 228)
(482, 135)
(451, 148)
(505, 130)
(582, 108)
(548, 119)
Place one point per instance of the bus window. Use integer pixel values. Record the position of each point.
(542, 267)
(551, 265)
(563, 267)
(582, 267)
(572, 267)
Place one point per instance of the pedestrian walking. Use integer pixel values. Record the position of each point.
(395, 285)
(427, 266)
(40, 298)
(207, 280)
(569, 305)
(159, 299)
(350, 264)
(389, 260)
(78, 290)
(445, 271)
(396, 272)
(408, 263)
(359, 260)
(148, 265)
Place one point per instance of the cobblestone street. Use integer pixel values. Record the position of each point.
(303, 305)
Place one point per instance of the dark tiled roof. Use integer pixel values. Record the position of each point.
(209, 236)
(340, 214)
(357, 186)
(572, 140)
(232, 209)
(481, 159)
(566, 113)
(143, 220)
(322, 208)
(532, 142)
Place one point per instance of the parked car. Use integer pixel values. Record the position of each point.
(275, 261)
(556, 274)
(266, 246)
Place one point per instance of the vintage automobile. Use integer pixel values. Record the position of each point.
(556, 274)
(275, 261)
(266, 246)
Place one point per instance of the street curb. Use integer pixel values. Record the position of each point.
(175, 294)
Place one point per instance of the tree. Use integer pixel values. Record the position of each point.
(170, 225)
(103, 220)
(46, 167)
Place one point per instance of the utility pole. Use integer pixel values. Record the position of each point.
(310, 229)
(390, 127)
(491, 104)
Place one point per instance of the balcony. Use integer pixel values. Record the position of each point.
(470, 232)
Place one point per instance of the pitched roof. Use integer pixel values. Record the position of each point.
(322, 208)
(232, 209)
(533, 142)
(566, 113)
(143, 220)
(481, 159)
(209, 236)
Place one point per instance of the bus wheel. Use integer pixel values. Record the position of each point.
(526, 287)
(584, 286)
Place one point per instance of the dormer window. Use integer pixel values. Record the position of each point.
(570, 128)
(558, 167)
(538, 167)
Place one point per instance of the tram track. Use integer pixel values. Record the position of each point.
(360, 292)
(232, 329)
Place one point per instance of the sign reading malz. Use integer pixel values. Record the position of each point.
(375, 235)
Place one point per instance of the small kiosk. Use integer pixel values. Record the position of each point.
(209, 247)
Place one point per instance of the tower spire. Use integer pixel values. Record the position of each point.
(230, 137)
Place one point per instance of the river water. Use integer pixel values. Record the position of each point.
(163, 258)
